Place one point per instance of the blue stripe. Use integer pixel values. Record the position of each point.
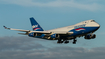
(87, 30)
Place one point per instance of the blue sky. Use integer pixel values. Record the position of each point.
(52, 14)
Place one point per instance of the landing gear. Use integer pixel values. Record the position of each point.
(66, 42)
(74, 41)
(60, 41)
(94, 36)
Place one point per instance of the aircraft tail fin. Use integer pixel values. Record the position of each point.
(35, 25)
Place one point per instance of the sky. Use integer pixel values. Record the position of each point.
(50, 14)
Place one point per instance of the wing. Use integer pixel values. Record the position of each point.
(41, 32)
(27, 30)
(16, 29)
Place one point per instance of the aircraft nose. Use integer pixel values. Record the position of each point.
(98, 25)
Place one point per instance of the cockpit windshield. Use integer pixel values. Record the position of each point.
(93, 21)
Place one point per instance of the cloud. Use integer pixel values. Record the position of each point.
(57, 4)
(18, 43)
(29, 48)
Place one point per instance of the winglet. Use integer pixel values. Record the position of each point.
(6, 27)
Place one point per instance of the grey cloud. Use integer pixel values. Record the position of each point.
(18, 43)
(29, 48)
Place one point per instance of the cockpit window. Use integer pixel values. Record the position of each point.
(93, 21)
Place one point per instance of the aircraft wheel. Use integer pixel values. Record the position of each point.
(94, 36)
(60, 42)
(74, 41)
(66, 42)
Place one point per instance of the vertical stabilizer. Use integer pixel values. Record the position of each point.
(35, 25)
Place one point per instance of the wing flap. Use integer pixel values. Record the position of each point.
(41, 32)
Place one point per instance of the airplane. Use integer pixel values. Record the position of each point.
(64, 34)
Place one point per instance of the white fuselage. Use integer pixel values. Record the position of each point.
(88, 23)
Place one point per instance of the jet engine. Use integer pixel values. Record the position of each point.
(89, 36)
(54, 36)
(32, 35)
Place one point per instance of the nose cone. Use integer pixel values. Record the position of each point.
(97, 25)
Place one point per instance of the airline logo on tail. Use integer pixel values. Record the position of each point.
(35, 27)
(79, 29)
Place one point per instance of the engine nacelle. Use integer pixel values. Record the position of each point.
(42, 35)
(94, 36)
(90, 36)
(32, 35)
(87, 37)
(54, 36)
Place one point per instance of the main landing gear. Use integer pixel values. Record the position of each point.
(66, 41)
(62, 41)
(74, 41)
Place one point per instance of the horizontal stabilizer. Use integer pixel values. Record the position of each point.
(23, 33)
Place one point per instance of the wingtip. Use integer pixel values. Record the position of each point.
(5, 27)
